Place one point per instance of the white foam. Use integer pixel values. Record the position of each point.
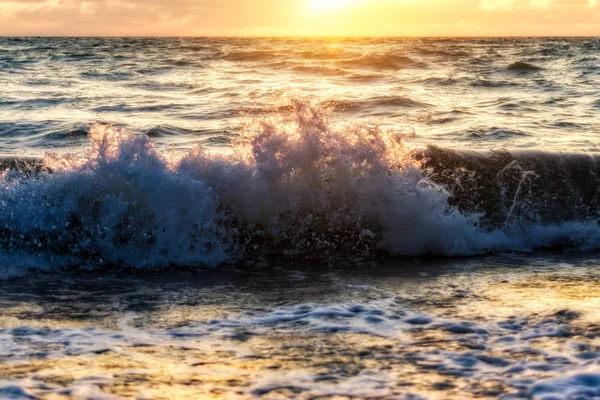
(582, 385)
(506, 351)
(365, 384)
(295, 186)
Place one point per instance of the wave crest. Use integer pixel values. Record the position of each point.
(294, 186)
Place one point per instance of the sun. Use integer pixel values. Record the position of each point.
(327, 5)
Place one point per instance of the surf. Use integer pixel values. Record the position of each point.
(295, 185)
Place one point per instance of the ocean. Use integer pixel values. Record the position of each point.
(305, 218)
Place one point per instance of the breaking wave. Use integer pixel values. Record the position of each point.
(295, 185)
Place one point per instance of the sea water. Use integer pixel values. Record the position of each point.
(299, 218)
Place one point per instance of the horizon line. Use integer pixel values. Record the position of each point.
(314, 36)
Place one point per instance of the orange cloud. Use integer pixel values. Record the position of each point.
(493, 5)
(297, 17)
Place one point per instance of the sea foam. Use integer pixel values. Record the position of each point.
(295, 185)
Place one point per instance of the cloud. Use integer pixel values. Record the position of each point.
(12, 8)
(543, 4)
(499, 5)
(294, 17)
(105, 17)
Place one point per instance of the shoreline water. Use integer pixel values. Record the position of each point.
(489, 326)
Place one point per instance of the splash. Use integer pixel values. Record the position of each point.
(294, 186)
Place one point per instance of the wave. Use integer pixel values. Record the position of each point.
(294, 186)
(487, 83)
(520, 66)
(125, 108)
(215, 137)
(75, 132)
(324, 54)
(197, 48)
(381, 61)
(108, 76)
(436, 52)
(169, 130)
(568, 125)
(519, 189)
(250, 56)
(378, 102)
(364, 77)
(320, 70)
(554, 51)
(439, 81)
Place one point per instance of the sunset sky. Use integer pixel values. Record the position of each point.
(300, 17)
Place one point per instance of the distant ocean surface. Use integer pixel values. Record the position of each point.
(464, 93)
(299, 218)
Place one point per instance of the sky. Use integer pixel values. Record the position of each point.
(300, 17)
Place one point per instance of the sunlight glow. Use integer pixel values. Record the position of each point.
(327, 5)
(300, 18)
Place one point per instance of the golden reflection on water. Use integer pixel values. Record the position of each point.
(172, 372)
(538, 294)
(299, 363)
